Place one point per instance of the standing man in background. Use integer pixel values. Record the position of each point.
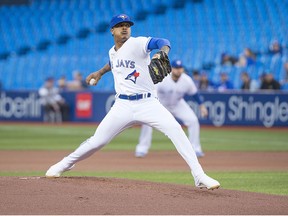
(55, 107)
(171, 92)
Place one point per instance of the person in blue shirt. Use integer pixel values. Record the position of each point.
(225, 83)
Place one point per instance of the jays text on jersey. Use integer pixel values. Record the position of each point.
(130, 67)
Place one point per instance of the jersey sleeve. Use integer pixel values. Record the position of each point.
(194, 91)
(143, 43)
(158, 43)
(192, 87)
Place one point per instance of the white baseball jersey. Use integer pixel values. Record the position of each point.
(170, 92)
(130, 67)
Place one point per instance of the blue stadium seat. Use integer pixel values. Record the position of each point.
(199, 33)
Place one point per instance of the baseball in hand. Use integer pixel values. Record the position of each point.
(92, 81)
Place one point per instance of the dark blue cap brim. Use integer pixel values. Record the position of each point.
(131, 23)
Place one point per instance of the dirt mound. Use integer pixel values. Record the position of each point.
(101, 196)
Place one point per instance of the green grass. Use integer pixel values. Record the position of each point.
(245, 140)
(68, 137)
(262, 182)
(43, 137)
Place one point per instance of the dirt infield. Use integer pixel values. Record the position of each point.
(101, 196)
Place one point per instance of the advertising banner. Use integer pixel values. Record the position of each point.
(234, 108)
(83, 105)
(257, 109)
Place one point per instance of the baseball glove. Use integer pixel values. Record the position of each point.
(159, 66)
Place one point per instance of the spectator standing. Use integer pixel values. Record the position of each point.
(55, 107)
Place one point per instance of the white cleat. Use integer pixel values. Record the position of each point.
(200, 154)
(140, 154)
(205, 181)
(57, 169)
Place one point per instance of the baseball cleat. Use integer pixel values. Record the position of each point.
(207, 182)
(200, 154)
(140, 154)
(57, 169)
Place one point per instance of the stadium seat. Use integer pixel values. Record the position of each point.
(58, 36)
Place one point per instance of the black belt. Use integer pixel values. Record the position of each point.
(135, 96)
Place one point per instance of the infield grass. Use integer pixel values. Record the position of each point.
(68, 137)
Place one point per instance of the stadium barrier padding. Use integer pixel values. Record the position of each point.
(267, 109)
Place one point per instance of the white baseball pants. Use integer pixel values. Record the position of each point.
(126, 113)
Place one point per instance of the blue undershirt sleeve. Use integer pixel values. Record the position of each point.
(197, 98)
(158, 43)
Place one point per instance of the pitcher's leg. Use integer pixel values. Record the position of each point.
(165, 122)
(145, 140)
(184, 113)
(182, 144)
(113, 123)
(175, 132)
(160, 118)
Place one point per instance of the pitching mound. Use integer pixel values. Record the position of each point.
(101, 196)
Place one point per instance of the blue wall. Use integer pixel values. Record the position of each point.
(257, 109)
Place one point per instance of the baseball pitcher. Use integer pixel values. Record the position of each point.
(136, 99)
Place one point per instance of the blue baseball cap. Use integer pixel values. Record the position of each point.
(120, 18)
(177, 64)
